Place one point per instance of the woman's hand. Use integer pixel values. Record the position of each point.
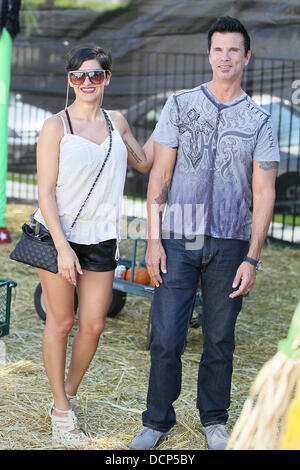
(68, 264)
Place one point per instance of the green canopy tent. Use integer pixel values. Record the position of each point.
(9, 27)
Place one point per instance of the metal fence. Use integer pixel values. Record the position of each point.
(140, 93)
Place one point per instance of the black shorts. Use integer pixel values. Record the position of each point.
(97, 257)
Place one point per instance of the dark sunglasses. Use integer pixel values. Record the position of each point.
(96, 77)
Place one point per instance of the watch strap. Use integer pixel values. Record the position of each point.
(252, 261)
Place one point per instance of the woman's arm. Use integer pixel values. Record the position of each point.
(141, 158)
(47, 170)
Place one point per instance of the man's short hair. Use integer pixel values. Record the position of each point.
(226, 24)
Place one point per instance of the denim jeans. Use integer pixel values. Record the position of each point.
(216, 263)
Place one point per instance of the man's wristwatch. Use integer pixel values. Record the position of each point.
(254, 262)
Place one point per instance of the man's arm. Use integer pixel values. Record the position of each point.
(263, 188)
(159, 183)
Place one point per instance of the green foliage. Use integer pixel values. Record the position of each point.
(73, 4)
(287, 219)
(32, 9)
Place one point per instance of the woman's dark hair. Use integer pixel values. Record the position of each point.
(226, 24)
(79, 54)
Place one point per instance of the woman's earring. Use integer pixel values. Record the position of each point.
(101, 99)
(67, 97)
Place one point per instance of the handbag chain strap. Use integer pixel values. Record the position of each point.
(109, 124)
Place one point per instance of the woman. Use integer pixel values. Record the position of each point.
(73, 146)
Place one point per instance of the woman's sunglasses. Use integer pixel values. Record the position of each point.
(96, 77)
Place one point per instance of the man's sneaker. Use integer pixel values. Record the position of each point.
(147, 439)
(216, 436)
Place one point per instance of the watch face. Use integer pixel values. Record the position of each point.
(259, 266)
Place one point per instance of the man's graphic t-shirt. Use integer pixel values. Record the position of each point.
(210, 192)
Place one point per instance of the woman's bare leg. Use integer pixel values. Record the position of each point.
(58, 296)
(94, 295)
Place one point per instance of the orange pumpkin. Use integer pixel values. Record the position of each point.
(141, 276)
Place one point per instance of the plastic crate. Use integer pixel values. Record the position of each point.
(5, 301)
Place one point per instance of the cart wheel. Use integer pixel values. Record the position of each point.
(39, 302)
(118, 300)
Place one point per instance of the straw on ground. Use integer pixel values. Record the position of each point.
(113, 392)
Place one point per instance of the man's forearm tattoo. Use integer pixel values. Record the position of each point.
(163, 197)
(266, 166)
(135, 156)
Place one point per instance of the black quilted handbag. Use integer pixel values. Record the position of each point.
(38, 249)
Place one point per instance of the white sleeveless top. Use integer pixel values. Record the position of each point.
(80, 160)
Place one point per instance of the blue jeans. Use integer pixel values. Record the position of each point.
(216, 263)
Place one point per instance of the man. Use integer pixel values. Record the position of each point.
(213, 144)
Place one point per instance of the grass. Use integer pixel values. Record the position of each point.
(287, 219)
(114, 389)
(29, 179)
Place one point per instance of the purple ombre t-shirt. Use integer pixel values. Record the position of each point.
(211, 188)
